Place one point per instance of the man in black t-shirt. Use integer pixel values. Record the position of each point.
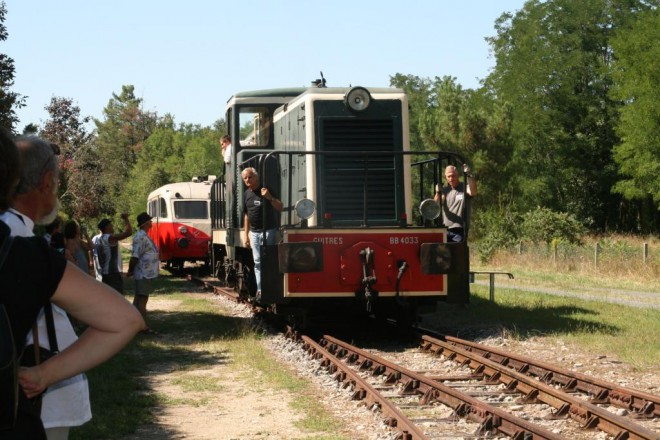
(256, 226)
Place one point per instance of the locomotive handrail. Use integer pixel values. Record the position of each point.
(441, 156)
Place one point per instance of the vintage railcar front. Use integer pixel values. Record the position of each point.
(181, 226)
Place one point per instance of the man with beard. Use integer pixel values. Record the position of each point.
(65, 403)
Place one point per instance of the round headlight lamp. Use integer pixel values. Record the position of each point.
(357, 99)
(429, 209)
(305, 208)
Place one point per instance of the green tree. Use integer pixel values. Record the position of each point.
(120, 137)
(173, 154)
(444, 116)
(637, 86)
(553, 64)
(9, 101)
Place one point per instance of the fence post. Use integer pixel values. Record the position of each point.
(596, 247)
(645, 253)
(554, 252)
(520, 248)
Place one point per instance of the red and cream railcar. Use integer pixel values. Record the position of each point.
(181, 223)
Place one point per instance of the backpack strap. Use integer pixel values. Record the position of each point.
(4, 250)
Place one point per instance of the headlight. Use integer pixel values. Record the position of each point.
(183, 230)
(357, 99)
(429, 209)
(300, 257)
(305, 208)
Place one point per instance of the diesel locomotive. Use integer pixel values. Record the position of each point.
(359, 232)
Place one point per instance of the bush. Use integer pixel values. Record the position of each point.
(545, 226)
(496, 231)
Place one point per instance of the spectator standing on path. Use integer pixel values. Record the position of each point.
(78, 243)
(256, 226)
(107, 255)
(26, 288)
(66, 403)
(144, 265)
(454, 200)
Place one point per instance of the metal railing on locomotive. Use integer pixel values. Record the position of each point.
(457, 271)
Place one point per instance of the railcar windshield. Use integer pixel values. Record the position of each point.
(191, 209)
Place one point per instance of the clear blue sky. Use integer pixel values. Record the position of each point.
(187, 58)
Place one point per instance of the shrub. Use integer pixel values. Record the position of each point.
(544, 225)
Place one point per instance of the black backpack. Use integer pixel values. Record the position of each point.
(8, 360)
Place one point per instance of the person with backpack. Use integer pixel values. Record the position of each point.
(25, 289)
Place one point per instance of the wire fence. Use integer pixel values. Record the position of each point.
(605, 256)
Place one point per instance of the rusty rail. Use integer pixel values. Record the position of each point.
(640, 403)
(489, 417)
(587, 414)
(362, 390)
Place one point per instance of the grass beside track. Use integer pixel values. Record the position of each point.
(629, 333)
(196, 334)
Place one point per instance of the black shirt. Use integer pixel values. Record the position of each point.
(253, 206)
(28, 278)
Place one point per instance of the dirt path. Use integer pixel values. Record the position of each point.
(235, 409)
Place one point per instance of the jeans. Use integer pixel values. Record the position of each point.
(257, 241)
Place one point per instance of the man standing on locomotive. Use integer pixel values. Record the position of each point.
(454, 203)
(255, 225)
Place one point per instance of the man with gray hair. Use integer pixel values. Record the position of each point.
(454, 202)
(65, 403)
(260, 228)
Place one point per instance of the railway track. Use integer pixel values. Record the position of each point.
(479, 399)
(482, 395)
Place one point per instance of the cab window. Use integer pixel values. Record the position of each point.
(255, 123)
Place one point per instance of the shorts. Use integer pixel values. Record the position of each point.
(143, 287)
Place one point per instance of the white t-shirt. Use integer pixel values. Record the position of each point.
(227, 154)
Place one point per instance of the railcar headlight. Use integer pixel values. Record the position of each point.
(183, 230)
(305, 208)
(429, 209)
(357, 99)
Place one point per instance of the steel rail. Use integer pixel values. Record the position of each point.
(642, 404)
(217, 290)
(490, 418)
(587, 414)
(362, 390)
